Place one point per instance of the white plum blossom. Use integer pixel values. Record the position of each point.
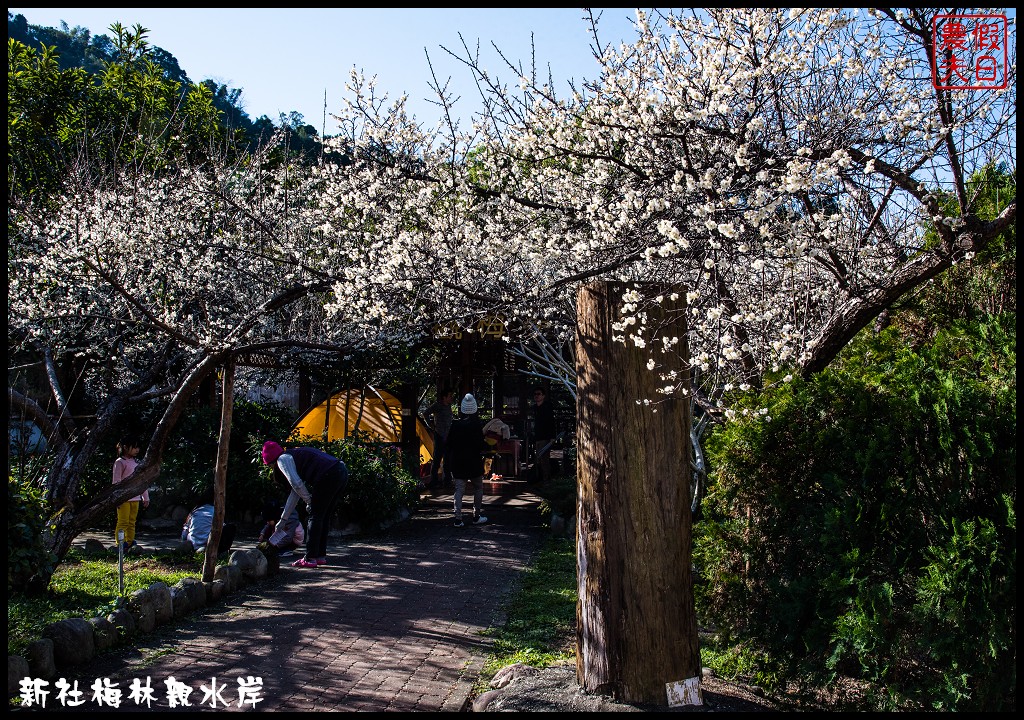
(738, 167)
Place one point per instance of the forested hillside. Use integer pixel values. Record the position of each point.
(77, 47)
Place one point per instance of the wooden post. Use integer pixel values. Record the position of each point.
(410, 442)
(305, 391)
(466, 347)
(636, 623)
(227, 403)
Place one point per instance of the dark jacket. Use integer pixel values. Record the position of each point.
(441, 417)
(464, 454)
(544, 421)
(311, 463)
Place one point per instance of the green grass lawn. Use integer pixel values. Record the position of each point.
(540, 628)
(86, 586)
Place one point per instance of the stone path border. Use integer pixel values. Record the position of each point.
(394, 623)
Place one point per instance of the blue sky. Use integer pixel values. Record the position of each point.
(285, 59)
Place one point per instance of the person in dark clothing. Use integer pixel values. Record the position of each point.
(464, 458)
(543, 434)
(440, 416)
(318, 479)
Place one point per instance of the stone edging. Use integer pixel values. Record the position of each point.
(76, 641)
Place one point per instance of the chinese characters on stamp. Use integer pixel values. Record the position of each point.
(969, 52)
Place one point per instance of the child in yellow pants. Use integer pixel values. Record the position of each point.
(128, 511)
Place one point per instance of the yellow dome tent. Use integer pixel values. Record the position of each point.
(375, 412)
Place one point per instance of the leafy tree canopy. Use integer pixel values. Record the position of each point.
(76, 47)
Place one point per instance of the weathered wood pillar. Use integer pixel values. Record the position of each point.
(636, 622)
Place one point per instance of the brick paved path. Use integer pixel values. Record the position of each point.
(393, 624)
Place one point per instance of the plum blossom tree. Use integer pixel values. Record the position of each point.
(776, 170)
(151, 280)
(781, 166)
(783, 169)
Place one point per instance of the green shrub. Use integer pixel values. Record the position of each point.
(26, 517)
(963, 592)
(187, 469)
(846, 528)
(559, 496)
(190, 459)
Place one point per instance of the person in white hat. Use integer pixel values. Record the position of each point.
(464, 458)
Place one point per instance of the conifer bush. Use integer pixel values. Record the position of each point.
(864, 527)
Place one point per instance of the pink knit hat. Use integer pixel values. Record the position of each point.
(271, 452)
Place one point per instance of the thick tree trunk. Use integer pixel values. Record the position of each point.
(68, 519)
(227, 404)
(636, 623)
(857, 313)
